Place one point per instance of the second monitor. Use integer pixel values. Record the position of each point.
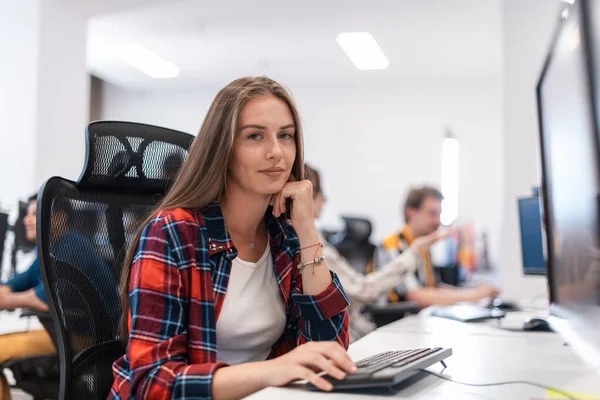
(532, 247)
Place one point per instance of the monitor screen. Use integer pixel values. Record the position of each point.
(570, 165)
(3, 230)
(532, 247)
(571, 170)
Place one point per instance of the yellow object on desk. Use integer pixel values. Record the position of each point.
(553, 394)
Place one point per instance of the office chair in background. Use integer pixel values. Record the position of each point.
(122, 180)
(353, 243)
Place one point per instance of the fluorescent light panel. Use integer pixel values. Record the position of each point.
(450, 171)
(363, 50)
(147, 62)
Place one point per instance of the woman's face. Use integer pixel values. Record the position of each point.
(29, 222)
(264, 148)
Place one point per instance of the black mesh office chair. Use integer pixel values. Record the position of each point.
(353, 243)
(84, 228)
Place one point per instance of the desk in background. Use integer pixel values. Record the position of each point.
(11, 322)
(425, 323)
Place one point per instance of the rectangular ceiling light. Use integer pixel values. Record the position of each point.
(363, 50)
(147, 62)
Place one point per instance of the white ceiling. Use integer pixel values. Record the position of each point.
(215, 41)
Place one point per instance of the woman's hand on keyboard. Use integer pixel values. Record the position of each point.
(306, 361)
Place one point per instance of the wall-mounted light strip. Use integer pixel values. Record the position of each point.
(450, 181)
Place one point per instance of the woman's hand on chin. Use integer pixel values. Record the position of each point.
(301, 195)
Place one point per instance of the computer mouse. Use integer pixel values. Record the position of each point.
(537, 324)
(503, 305)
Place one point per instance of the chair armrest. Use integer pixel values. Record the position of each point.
(388, 313)
(45, 319)
(402, 307)
(32, 312)
(45, 360)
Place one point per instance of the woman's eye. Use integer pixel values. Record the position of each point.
(254, 136)
(286, 135)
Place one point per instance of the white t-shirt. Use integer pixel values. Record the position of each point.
(253, 316)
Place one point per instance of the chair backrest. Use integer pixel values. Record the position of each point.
(84, 229)
(353, 242)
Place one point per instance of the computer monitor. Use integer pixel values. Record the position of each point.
(4, 227)
(567, 95)
(532, 246)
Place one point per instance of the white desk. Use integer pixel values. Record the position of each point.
(11, 322)
(481, 354)
(424, 323)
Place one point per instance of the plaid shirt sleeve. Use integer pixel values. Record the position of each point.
(311, 317)
(158, 346)
(323, 316)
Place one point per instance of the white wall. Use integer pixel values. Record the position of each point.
(18, 97)
(63, 92)
(527, 30)
(44, 97)
(371, 143)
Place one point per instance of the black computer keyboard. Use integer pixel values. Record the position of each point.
(388, 368)
(400, 358)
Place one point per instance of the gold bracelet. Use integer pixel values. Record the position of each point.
(317, 260)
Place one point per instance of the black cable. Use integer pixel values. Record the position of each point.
(567, 395)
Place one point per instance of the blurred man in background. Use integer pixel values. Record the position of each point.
(422, 210)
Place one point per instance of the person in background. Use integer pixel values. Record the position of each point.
(24, 290)
(70, 244)
(363, 289)
(225, 288)
(422, 210)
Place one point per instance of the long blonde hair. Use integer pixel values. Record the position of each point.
(203, 176)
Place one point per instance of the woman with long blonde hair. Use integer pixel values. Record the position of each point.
(225, 289)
